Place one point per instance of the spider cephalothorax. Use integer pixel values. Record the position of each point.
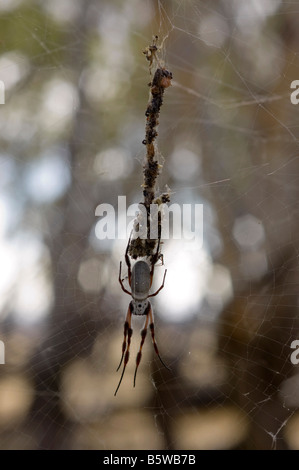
(140, 279)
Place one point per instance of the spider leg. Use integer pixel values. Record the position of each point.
(127, 326)
(127, 258)
(143, 336)
(126, 345)
(121, 282)
(156, 256)
(161, 287)
(152, 328)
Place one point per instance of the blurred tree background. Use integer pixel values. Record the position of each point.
(76, 89)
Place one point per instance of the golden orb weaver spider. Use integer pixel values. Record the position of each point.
(140, 279)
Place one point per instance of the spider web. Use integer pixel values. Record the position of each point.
(72, 128)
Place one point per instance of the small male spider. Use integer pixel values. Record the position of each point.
(140, 280)
(151, 51)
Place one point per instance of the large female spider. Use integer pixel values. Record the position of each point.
(140, 280)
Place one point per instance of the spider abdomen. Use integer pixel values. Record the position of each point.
(141, 280)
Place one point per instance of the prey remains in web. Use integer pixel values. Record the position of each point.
(141, 243)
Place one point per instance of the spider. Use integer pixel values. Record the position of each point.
(140, 280)
(150, 52)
